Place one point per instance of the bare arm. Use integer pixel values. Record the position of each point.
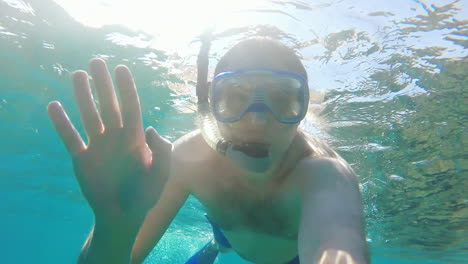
(108, 243)
(160, 216)
(332, 222)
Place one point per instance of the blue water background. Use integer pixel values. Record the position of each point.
(389, 83)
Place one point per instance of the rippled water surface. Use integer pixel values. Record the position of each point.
(388, 79)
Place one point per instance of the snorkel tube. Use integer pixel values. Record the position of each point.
(254, 157)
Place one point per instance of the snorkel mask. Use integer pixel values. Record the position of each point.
(284, 94)
(233, 94)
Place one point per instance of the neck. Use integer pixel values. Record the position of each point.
(281, 160)
(253, 178)
(283, 163)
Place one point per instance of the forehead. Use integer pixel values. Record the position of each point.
(261, 55)
(273, 63)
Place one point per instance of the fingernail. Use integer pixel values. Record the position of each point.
(80, 74)
(97, 62)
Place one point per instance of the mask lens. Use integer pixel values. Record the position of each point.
(231, 95)
(282, 93)
(285, 97)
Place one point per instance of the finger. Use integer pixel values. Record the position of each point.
(130, 104)
(89, 114)
(161, 149)
(109, 106)
(67, 132)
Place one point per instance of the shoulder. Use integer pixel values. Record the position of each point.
(192, 156)
(325, 164)
(325, 173)
(189, 154)
(318, 146)
(190, 147)
(322, 159)
(188, 139)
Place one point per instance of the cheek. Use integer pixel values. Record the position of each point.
(224, 129)
(284, 132)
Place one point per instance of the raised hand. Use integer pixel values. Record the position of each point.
(121, 171)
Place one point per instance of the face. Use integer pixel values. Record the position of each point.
(259, 127)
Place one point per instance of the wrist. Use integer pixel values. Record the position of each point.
(116, 229)
(110, 242)
(111, 222)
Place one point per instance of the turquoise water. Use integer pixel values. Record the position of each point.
(389, 86)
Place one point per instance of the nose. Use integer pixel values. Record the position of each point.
(258, 114)
(258, 118)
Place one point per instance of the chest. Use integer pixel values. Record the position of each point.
(233, 206)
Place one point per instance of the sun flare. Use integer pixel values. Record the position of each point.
(168, 21)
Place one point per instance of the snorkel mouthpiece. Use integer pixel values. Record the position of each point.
(254, 150)
(254, 157)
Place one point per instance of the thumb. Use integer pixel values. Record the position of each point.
(161, 149)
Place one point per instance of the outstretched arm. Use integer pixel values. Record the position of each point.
(332, 221)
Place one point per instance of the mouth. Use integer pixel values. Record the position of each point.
(254, 150)
(250, 138)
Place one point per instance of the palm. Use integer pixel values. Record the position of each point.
(121, 172)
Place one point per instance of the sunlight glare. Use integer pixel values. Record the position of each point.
(172, 23)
